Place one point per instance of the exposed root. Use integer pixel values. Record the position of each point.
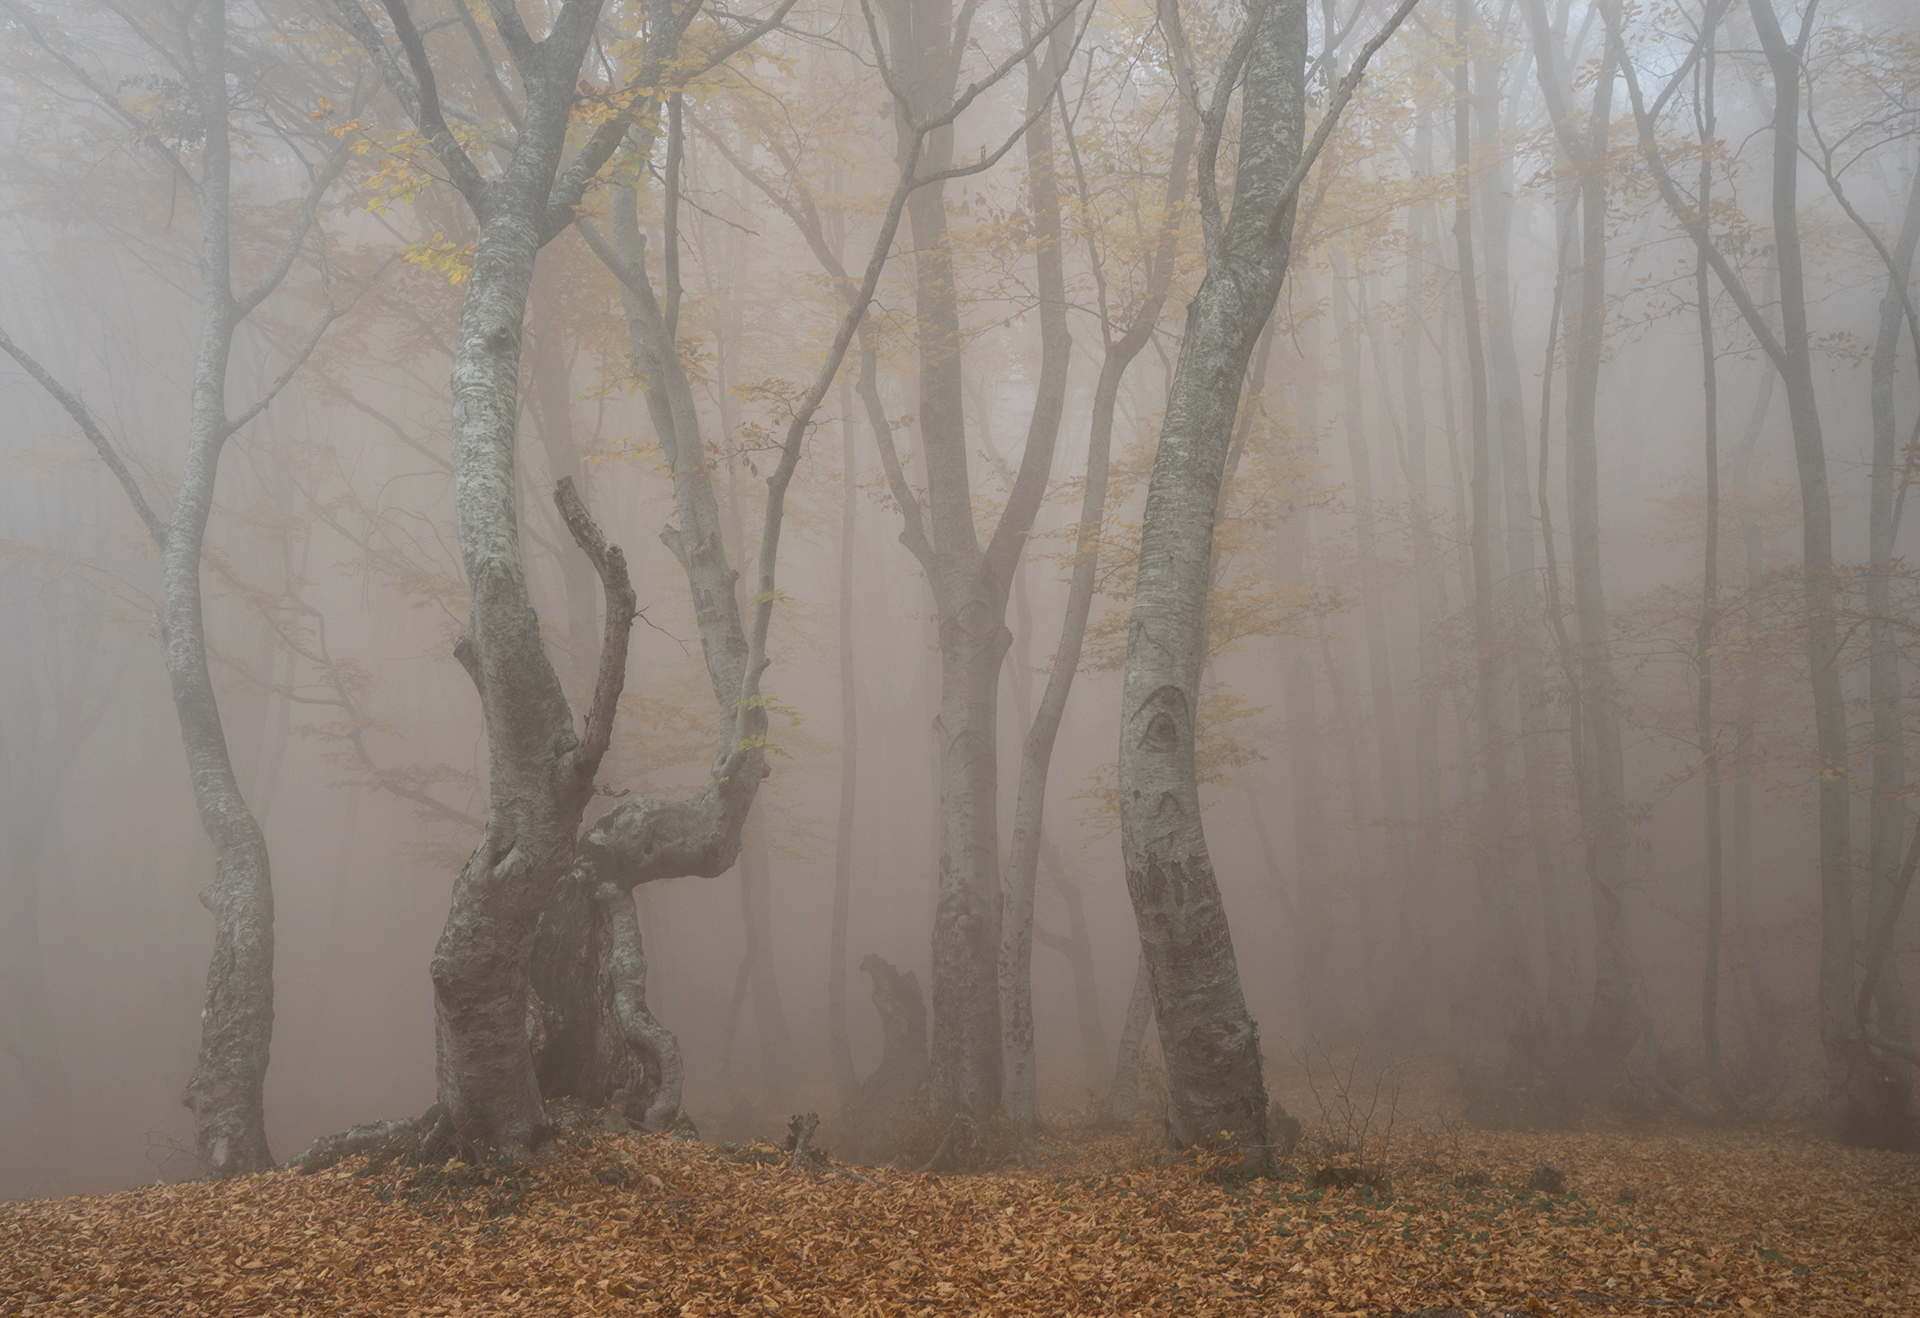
(327, 1150)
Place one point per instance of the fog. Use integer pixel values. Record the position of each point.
(1410, 692)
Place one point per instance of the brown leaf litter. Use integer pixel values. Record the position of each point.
(1743, 1223)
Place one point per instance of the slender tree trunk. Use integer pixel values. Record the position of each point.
(1765, 1014)
(1538, 718)
(756, 895)
(1211, 1043)
(840, 1050)
(1888, 804)
(1859, 1107)
(1373, 607)
(225, 1093)
(1415, 962)
(1864, 1105)
(1016, 993)
(970, 584)
(1077, 947)
(1123, 1098)
(1504, 957)
(1617, 1013)
(1706, 633)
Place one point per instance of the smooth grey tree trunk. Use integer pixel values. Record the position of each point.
(1615, 1014)
(225, 1092)
(970, 583)
(1216, 1089)
(1018, 1060)
(540, 767)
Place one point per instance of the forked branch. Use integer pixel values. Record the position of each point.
(611, 566)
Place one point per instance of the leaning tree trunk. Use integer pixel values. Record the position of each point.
(225, 1093)
(1215, 1086)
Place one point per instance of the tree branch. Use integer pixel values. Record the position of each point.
(427, 112)
(502, 94)
(611, 565)
(91, 428)
(1341, 95)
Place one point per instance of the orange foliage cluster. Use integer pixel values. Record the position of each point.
(1744, 1223)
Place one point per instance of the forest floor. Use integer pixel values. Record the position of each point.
(1759, 1221)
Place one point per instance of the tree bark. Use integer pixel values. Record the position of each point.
(1216, 1090)
(970, 584)
(1018, 1061)
(225, 1092)
(1707, 631)
(1857, 1106)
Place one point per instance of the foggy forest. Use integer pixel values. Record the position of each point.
(1103, 655)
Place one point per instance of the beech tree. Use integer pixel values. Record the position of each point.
(1216, 1089)
(190, 136)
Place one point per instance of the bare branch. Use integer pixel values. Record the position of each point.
(611, 565)
(91, 428)
(1341, 95)
(317, 187)
(427, 111)
(285, 377)
(502, 94)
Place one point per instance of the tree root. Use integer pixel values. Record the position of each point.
(422, 1139)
